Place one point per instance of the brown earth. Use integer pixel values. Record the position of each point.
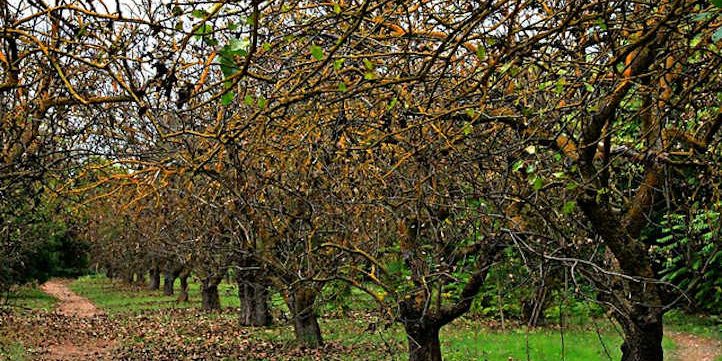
(78, 309)
(695, 348)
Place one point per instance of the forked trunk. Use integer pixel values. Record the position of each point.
(643, 336)
(305, 321)
(209, 294)
(423, 342)
(254, 304)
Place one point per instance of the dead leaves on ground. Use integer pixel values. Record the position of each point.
(173, 334)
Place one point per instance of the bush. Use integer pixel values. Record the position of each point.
(36, 246)
(690, 253)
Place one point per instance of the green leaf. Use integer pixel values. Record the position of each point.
(200, 14)
(317, 52)
(210, 41)
(228, 66)
(704, 16)
(368, 64)
(468, 128)
(544, 85)
(336, 8)
(338, 63)
(695, 41)
(481, 52)
(342, 86)
(717, 3)
(504, 68)
(369, 76)
(392, 103)
(568, 207)
(236, 45)
(250, 20)
(204, 29)
(601, 24)
(232, 26)
(537, 183)
(717, 35)
(248, 100)
(228, 97)
(518, 165)
(261, 102)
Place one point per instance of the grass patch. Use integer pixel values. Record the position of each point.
(31, 297)
(11, 350)
(464, 339)
(114, 297)
(706, 326)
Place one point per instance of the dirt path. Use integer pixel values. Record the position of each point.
(69, 304)
(695, 348)
(79, 311)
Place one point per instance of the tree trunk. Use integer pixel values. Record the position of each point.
(305, 321)
(168, 281)
(129, 277)
(183, 297)
(154, 283)
(423, 342)
(139, 278)
(643, 336)
(209, 293)
(254, 304)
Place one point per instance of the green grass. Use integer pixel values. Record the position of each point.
(11, 350)
(31, 297)
(469, 340)
(706, 326)
(462, 340)
(114, 297)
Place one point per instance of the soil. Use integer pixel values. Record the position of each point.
(78, 310)
(695, 348)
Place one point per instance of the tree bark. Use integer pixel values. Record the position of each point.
(183, 297)
(154, 283)
(305, 321)
(168, 281)
(128, 277)
(254, 303)
(139, 278)
(209, 293)
(643, 335)
(423, 342)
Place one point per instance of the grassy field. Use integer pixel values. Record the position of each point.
(116, 297)
(30, 297)
(462, 340)
(149, 323)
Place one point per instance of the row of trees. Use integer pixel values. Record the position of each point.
(396, 146)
